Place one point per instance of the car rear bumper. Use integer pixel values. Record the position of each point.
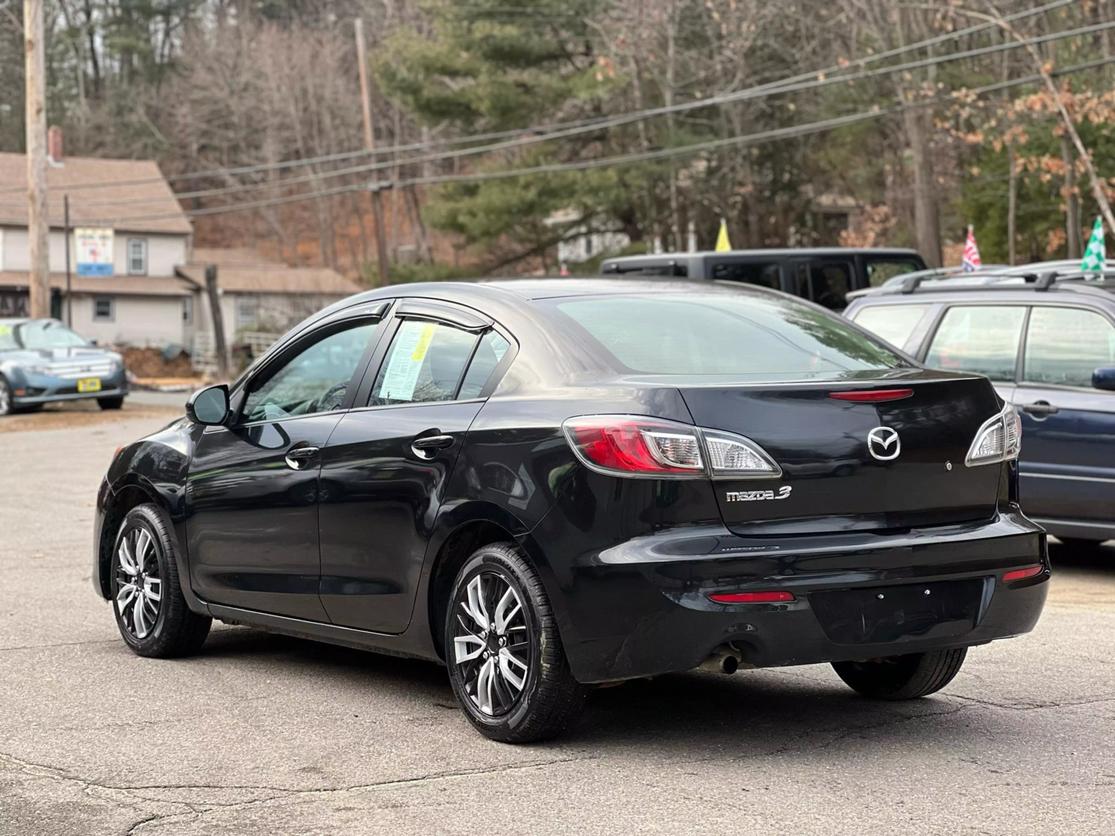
(642, 608)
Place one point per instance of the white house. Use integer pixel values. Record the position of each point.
(155, 294)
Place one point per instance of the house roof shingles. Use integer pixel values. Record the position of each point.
(242, 270)
(129, 196)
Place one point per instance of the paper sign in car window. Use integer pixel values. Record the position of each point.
(411, 345)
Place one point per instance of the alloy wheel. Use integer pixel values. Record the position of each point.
(139, 587)
(492, 644)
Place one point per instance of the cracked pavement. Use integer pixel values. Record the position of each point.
(270, 735)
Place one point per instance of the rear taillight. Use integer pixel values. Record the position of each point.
(1023, 574)
(772, 597)
(873, 395)
(999, 439)
(634, 445)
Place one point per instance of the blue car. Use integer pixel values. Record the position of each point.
(1047, 342)
(43, 361)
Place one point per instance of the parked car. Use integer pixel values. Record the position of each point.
(823, 275)
(1047, 342)
(551, 484)
(42, 361)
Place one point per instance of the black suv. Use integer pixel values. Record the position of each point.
(1047, 341)
(822, 275)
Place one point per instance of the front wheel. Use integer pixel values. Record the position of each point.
(505, 658)
(902, 677)
(151, 611)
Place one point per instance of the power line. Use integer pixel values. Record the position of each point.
(626, 159)
(832, 72)
(619, 120)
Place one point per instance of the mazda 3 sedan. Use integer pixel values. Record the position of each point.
(548, 485)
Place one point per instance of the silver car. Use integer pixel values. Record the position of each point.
(43, 361)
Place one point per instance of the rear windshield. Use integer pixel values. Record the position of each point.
(703, 334)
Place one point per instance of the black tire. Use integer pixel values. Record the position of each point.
(111, 403)
(176, 630)
(549, 698)
(902, 677)
(1081, 544)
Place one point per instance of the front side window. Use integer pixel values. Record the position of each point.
(137, 256)
(879, 270)
(894, 323)
(743, 334)
(1065, 345)
(825, 282)
(425, 364)
(102, 309)
(314, 380)
(978, 339)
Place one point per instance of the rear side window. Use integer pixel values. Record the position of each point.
(762, 273)
(744, 333)
(893, 323)
(978, 339)
(1065, 345)
(424, 364)
(488, 355)
(879, 270)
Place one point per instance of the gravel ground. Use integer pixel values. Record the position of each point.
(269, 735)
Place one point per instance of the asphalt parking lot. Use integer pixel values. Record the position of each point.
(264, 734)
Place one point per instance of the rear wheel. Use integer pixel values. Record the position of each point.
(110, 403)
(151, 611)
(505, 658)
(902, 677)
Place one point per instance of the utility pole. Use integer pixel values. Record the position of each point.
(375, 193)
(38, 224)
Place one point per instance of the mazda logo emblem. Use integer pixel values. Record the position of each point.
(883, 444)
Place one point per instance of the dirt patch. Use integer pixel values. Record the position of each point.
(150, 362)
(64, 416)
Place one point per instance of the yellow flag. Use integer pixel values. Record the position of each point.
(723, 245)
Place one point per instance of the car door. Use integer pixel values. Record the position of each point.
(825, 281)
(387, 465)
(1067, 465)
(252, 489)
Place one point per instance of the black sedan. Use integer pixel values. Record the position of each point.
(554, 484)
(42, 361)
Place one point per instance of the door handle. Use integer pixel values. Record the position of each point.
(426, 446)
(298, 457)
(1040, 409)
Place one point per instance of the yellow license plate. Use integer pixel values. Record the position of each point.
(89, 384)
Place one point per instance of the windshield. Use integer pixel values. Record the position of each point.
(710, 334)
(46, 333)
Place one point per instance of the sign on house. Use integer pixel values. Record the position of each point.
(94, 251)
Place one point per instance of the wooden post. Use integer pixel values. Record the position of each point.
(66, 244)
(38, 224)
(218, 321)
(382, 261)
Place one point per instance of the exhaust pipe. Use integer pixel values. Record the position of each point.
(722, 660)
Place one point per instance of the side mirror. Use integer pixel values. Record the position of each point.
(208, 406)
(1104, 379)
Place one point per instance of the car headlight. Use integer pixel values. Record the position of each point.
(999, 439)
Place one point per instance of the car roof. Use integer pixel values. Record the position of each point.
(1010, 283)
(785, 252)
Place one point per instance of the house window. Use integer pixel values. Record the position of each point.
(104, 310)
(188, 310)
(247, 312)
(137, 256)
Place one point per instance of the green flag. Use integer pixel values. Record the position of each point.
(1095, 255)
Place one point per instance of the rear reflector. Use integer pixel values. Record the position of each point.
(778, 597)
(1022, 574)
(873, 395)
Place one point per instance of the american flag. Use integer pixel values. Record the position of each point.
(971, 261)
